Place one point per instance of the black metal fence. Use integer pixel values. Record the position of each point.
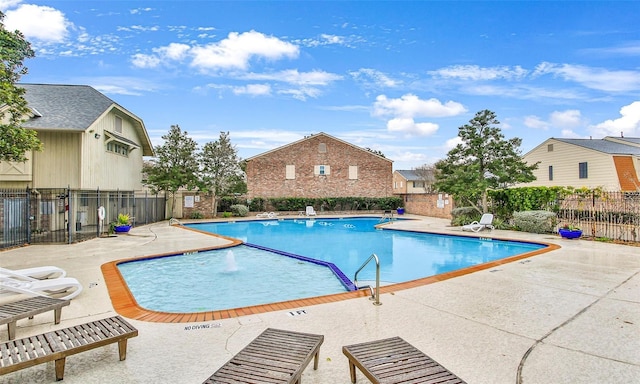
(609, 215)
(63, 215)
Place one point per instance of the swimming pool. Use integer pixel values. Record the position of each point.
(344, 243)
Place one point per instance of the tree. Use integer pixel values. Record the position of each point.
(175, 165)
(15, 140)
(427, 174)
(375, 152)
(220, 168)
(483, 160)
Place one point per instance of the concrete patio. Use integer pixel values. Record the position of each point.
(567, 316)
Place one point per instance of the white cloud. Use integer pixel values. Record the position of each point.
(474, 72)
(8, 4)
(173, 51)
(594, 78)
(374, 78)
(302, 93)
(628, 123)
(410, 127)
(402, 112)
(141, 60)
(452, 143)
(253, 90)
(232, 53)
(411, 106)
(38, 22)
(535, 122)
(569, 134)
(264, 139)
(116, 90)
(566, 119)
(238, 49)
(139, 10)
(292, 76)
(327, 39)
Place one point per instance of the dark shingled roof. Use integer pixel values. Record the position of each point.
(74, 108)
(69, 107)
(605, 146)
(408, 175)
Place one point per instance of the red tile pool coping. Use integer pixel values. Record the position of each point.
(125, 304)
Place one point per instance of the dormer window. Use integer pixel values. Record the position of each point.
(119, 144)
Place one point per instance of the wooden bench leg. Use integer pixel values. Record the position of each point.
(56, 315)
(11, 329)
(122, 349)
(352, 371)
(315, 360)
(60, 369)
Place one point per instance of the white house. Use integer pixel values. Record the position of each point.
(612, 163)
(89, 141)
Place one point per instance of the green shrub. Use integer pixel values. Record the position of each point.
(464, 215)
(227, 214)
(535, 221)
(240, 210)
(256, 204)
(196, 215)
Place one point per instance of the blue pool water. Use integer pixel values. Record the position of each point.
(347, 243)
(245, 276)
(222, 279)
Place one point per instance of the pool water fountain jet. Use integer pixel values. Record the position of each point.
(231, 262)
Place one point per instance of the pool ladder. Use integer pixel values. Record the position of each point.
(388, 215)
(375, 294)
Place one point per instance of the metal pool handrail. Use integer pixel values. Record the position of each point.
(375, 295)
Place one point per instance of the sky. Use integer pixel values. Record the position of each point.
(400, 77)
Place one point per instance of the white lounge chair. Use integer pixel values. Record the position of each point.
(31, 274)
(48, 287)
(267, 215)
(486, 221)
(310, 211)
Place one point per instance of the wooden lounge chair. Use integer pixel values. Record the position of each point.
(57, 345)
(10, 313)
(393, 360)
(275, 356)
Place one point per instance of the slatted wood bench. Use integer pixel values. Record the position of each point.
(275, 356)
(10, 313)
(57, 345)
(392, 361)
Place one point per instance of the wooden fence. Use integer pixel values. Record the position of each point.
(609, 215)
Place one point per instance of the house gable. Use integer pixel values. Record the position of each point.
(582, 163)
(318, 166)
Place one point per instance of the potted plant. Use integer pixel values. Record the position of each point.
(570, 231)
(123, 224)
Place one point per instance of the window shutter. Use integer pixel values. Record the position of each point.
(353, 172)
(290, 172)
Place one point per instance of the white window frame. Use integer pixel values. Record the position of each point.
(118, 124)
(322, 170)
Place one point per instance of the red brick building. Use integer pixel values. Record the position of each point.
(319, 166)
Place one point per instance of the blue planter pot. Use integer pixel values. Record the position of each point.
(400, 211)
(569, 234)
(122, 228)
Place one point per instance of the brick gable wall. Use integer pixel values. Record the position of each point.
(266, 174)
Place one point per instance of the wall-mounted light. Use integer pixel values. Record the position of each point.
(97, 135)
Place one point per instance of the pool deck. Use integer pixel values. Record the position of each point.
(571, 315)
